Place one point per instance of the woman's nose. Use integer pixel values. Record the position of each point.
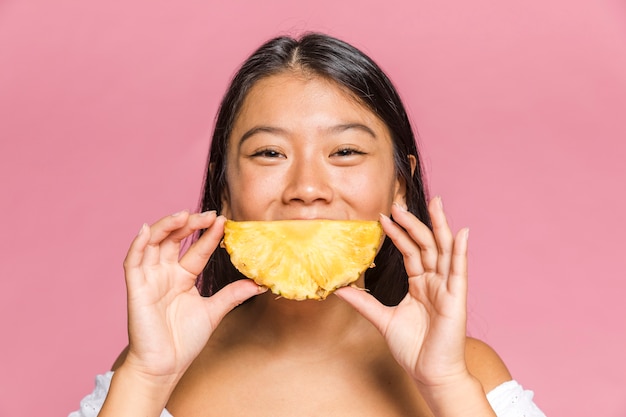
(308, 183)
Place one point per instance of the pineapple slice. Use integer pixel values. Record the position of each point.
(302, 259)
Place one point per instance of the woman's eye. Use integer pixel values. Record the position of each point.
(348, 152)
(268, 153)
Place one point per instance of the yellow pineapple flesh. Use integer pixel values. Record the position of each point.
(302, 259)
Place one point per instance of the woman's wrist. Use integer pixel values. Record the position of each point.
(460, 396)
(135, 393)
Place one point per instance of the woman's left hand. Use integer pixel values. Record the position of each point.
(426, 331)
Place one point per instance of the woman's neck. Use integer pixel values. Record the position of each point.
(302, 326)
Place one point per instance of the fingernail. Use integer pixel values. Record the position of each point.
(178, 213)
(143, 228)
(384, 218)
(206, 213)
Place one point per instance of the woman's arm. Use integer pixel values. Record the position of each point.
(426, 331)
(168, 321)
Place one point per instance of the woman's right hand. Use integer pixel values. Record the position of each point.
(169, 322)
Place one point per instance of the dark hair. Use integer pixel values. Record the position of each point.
(335, 60)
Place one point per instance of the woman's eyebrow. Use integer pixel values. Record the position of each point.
(340, 128)
(262, 129)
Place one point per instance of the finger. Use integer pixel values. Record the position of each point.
(160, 231)
(443, 235)
(229, 297)
(367, 305)
(457, 282)
(421, 234)
(419, 290)
(409, 249)
(195, 259)
(171, 246)
(135, 254)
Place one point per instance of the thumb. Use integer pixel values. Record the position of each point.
(367, 305)
(229, 297)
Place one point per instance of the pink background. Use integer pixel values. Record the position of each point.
(105, 114)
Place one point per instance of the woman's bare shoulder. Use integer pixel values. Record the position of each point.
(485, 364)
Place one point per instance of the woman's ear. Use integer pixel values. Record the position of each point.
(400, 190)
(225, 205)
(413, 162)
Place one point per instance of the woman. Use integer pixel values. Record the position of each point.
(309, 128)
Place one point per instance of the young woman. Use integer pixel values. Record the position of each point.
(309, 129)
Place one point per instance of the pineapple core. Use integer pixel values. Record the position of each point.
(302, 259)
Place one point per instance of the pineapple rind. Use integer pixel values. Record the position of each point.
(308, 259)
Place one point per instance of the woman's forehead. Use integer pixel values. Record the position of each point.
(292, 96)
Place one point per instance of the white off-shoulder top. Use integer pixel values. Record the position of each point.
(507, 400)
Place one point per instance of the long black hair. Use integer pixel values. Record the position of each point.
(330, 58)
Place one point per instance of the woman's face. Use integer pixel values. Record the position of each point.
(302, 148)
